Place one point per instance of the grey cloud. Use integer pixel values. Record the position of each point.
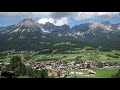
(37, 14)
(24, 14)
(86, 15)
(62, 14)
(15, 14)
(76, 15)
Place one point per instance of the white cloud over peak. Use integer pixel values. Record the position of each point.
(61, 21)
(44, 20)
(57, 22)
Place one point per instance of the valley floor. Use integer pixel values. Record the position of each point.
(102, 64)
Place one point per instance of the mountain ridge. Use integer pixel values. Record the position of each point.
(28, 35)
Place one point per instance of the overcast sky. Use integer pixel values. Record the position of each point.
(59, 18)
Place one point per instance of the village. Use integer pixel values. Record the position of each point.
(67, 69)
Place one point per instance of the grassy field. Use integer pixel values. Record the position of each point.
(104, 73)
(23, 77)
(83, 54)
(75, 55)
(101, 73)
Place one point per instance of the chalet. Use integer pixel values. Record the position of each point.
(91, 72)
(2, 66)
(52, 74)
(8, 74)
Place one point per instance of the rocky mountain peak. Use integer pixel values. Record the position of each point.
(27, 22)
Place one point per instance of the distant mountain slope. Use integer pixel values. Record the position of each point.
(30, 35)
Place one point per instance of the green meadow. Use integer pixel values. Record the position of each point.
(74, 55)
(101, 73)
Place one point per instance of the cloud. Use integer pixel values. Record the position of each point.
(57, 22)
(59, 15)
(61, 21)
(14, 14)
(44, 20)
(38, 14)
(87, 15)
(62, 14)
(25, 14)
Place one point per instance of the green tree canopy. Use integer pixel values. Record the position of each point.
(16, 65)
(117, 75)
(19, 68)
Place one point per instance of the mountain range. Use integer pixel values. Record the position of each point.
(30, 35)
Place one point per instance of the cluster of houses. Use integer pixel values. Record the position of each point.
(59, 68)
(66, 68)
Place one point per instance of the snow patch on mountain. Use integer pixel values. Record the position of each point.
(22, 37)
(23, 30)
(16, 30)
(118, 27)
(28, 30)
(45, 31)
(59, 34)
(108, 36)
(10, 38)
(108, 28)
(43, 36)
(71, 34)
(79, 33)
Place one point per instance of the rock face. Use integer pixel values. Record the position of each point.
(27, 22)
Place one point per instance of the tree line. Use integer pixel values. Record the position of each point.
(19, 69)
